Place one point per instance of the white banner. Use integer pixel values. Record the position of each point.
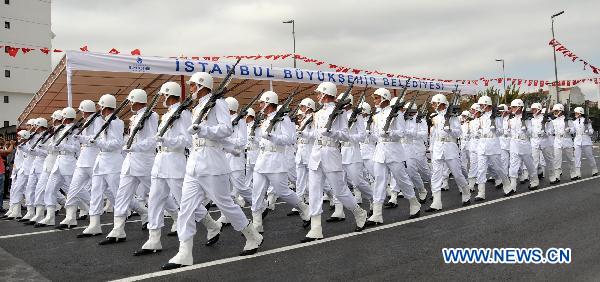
(178, 66)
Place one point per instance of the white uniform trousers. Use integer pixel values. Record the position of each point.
(278, 182)
(517, 160)
(412, 169)
(505, 160)
(79, 190)
(165, 194)
(589, 155)
(238, 182)
(195, 190)
(101, 185)
(301, 180)
(473, 160)
(355, 177)
(545, 155)
(30, 188)
(369, 166)
(382, 177)
(17, 190)
(40, 189)
(128, 185)
(464, 161)
(317, 185)
(440, 170)
(249, 173)
(558, 157)
(494, 164)
(292, 176)
(55, 182)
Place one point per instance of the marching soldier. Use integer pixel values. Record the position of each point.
(207, 174)
(504, 138)
(251, 147)
(473, 149)
(22, 161)
(417, 166)
(39, 155)
(542, 142)
(325, 163)
(305, 144)
(583, 142)
(563, 142)
(137, 165)
(167, 173)
(465, 116)
(520, 130)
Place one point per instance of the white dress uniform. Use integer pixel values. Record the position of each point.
(39, 155)
(563, 144)
(167, 175)
(251, 155)
(389, 159)
(352, 159)
(463, 147)
(542, 145)
(135, 172)
(367, 149)
(61, 173)
(520, 152)
(505, 145)
(305, 143)
(105, 173)
(417, 166)
(583, 143)
(19, 181)
(271, 168)
(79, 189)
(444, 156)
(473, 150)
(488, 146)
(325, 164)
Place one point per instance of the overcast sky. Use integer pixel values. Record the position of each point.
(438, 39)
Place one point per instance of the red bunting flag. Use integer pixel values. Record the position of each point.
(84, 49)
(45, 50)
(26, 50)
(114, 51)
(12, 51)
(136, 52)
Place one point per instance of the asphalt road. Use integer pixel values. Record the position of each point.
(566, 216)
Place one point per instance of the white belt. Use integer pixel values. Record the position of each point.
(65, 153)
(386, 140)
(275, 149)
(446, 139)
(170, 150)
(112, 151)
(489, 135)
(203, 142)
(521, 137)
(251, 147)
(327, 143)
(347, 144)
(302, 141)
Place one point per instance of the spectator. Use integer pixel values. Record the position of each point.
(6, 148)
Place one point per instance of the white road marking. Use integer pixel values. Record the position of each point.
(339, 237)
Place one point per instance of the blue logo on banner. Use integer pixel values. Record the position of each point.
(139, 66)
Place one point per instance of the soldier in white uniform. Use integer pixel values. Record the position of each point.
(105, 173)
(504, 138)
(271, 165)
(520, 130)
(488, 147)
(417, 166)
(20, 186)
(325, 163)
(137, 165)
(251, 148)
(563, 142)
(79, 194)
(64, 166)
(39, 154)
(167, 173)
(583, 143)
(542, 143)
(444, 153)
(465, 116)
(19, 179)
(367, 146)
(473, 146)
(207, 177)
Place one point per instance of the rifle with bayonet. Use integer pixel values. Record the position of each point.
(242, 114)
(69, 131)
(454, 107)
(586, 112)
(568, 109)
(54, 131)
(140, 124)
(340, 104)
(396, 108)
(280, 114)
(257, 121)
(294, 113)
(112, 117)
(409, 107)
(310, 119)
(423, 110)
(357, 109)
(216, 95)
(46, 132)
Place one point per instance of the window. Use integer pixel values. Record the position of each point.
(7, 2)
(6, 123)
(7, 25)
(5, 99)
(6, 48)
(6, 73)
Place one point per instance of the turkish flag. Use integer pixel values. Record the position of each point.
(26, 50)
(136, 52)
(114, 51)
(45, 50)
(84, 48)
(13, 51)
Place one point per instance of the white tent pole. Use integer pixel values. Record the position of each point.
(69, 91)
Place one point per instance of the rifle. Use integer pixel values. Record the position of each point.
(40, 139)
(292, 114)
(244, 111)
(281, 112)
(60, 127)
(175, 116)
(454, 107)
(145, 116)
(216, 95)
(357, 109)
(586, 111)
(409, 109)
(568, 111)
(423, 110)
(112, 117)
(340, 104)
(257, 120)
(395, 108)
(88, 122)
(69, 131)
(310, 119)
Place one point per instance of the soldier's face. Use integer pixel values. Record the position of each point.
(376, 99)
(577, 115)
(193, 88)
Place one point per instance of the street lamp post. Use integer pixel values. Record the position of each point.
(294, 37)
(503, 77)
(554, 49)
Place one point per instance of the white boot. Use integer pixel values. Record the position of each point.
(49, 220)
(16, 214)
(594, 171)
(223, 220)
(436, 204)
(271, 199)
(253, 240)
(213, 229)
(304, 212)
(84, 211)
(422, 194)
(415, 207)
(70, 219)
(118, 230)
(512, 187)
(30, 213)
(239, 201)
(9, 212)
(184, 256)
(465, 195)
(39, 214)
(257, 221)
(360, 216)
(472, 184)
(377, 217)
(534, 182)
(338, 214)
(173, 231)
(153, 242)
(357, 196)
(108, 208)
(316, 229)
(480, 192)
(445, 185)
(94, 228)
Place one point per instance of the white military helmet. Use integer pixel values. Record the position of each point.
(309, 103)
(466, 114)
(476, 107)
(579, 110)
(107, 101)
(138, 96)
(366, 108)
(269, 97)
(31, 122)
(485, 100)
(439, 98)
(502, 108)
(57, 115)
(69, 112)
(327, 88)
(232, 104)
(558, 107)
(536, 106)
(349, 97)
(517, 103)
(202, 79)
(24, 134)
(170, 88)
(383, 93)
(251, 112)
(87, 106)
(41, 122)
(413, 107)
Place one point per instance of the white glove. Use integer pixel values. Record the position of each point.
(236, 153)
(159, 139)
(447, 128)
